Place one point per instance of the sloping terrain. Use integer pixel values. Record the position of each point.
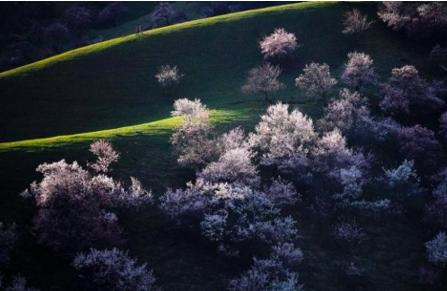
(51, 109)
(111, 84)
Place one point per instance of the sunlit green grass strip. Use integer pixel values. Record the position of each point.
(158, 127)
(97, 47)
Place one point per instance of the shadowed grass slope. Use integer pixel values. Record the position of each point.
(108, 90)
(111, 84)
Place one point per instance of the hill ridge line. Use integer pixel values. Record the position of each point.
(100, 46)
(161, 126)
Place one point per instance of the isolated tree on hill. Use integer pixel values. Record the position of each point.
(264, 80)
(359, 70)
(193, 139)
(168, 75)
(278, 44)
(316, 79)
(355, 22)
(114, 270)
(406, 88)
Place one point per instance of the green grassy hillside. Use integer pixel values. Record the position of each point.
(53, 108)
(111, 84)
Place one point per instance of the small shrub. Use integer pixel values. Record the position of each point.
(168, 75)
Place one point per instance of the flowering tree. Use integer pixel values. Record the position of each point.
(359, 70)
(437, 249)
(193, 139)
(234, 166)
(8, 237)
(264, 80)
(282, 135)
(190, 110)
(419, 144)
(405, 88)
(114, 270)
(105, 156)
(70, 197)
(168, 75)
(272, 273)
(278, 44)
(402, 183)
(282, 193)
(339, 166)
(316, 79)
(401, 175)
(230, 213)
(348, 112)
(355, 22)
(415, 18)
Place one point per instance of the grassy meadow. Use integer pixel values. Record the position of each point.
(54, 108)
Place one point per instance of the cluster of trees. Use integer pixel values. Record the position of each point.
(288, 153)
(249, 187)
(77, 210)
(420, 19)
(36, 30)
